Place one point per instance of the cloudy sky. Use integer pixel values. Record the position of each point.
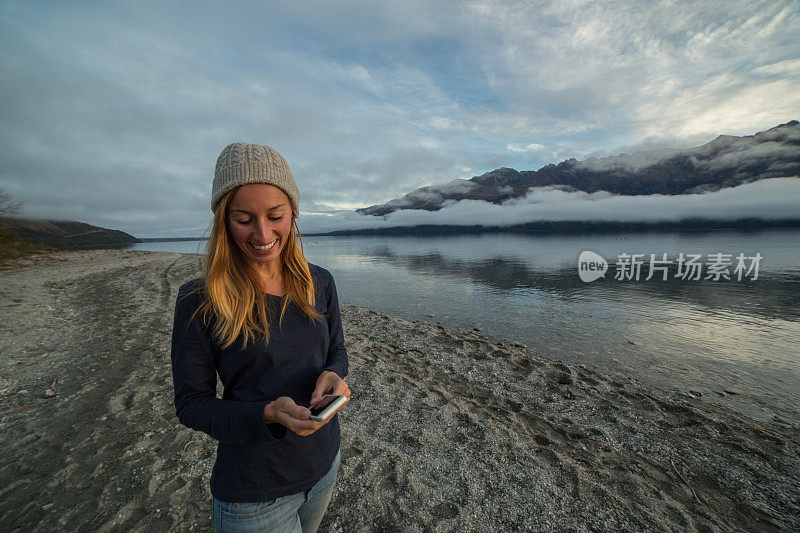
(114, 112)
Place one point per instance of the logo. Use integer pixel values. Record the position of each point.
(687, 266)
(591, 266)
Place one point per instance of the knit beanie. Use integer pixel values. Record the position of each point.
(243, 163)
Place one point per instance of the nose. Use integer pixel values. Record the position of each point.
(262, 232)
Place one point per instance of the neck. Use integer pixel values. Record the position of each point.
(269, 272)
(270, 277)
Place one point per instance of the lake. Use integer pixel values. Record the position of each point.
(735, 342)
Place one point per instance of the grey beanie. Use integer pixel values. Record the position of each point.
(243, 163)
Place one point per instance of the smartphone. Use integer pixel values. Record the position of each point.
(327, 406)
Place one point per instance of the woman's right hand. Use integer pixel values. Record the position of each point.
(295, 417)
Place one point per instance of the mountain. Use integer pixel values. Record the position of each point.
(727, 161)
(63, 234)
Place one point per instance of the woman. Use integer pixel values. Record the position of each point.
(268, 323)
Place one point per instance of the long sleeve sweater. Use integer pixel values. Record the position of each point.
(257, 461)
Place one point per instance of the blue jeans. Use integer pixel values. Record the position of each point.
(294, 513)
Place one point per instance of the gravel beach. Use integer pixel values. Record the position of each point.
(445, 430)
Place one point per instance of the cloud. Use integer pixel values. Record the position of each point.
(527, 148)
(433, 193)
(628, 162)
(685, 68)
(725, 152)
(752, 154)
(114, 114)
(769, 199)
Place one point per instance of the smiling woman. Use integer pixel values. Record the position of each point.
(275, 465)
(260, 219)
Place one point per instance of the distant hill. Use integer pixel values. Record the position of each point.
(577, 227)
(727, 161)
(64, 235)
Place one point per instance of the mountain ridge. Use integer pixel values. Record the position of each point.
(62, 234)
(726, 161)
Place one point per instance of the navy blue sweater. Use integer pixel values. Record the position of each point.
(258, 461)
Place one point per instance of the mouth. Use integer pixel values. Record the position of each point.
(263, 249)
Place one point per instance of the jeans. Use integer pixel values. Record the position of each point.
(295, 513)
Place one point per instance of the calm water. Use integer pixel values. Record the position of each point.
(705, 336)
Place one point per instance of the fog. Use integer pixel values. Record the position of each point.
(770, 199)
(722, 153)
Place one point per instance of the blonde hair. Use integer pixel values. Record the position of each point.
(230, 289)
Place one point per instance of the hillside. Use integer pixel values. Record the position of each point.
(66, 235)
(727, 161)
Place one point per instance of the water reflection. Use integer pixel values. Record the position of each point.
(700, 335)
(771, 296)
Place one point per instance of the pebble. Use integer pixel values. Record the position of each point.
(564, 379)
(780, 420)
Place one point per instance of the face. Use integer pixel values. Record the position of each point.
(260, 219)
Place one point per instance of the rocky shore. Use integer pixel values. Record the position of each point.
(445, 431)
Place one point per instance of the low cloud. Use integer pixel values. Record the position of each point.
(628, 162)
(769, 199)
(723, 153)
(433, 193)
(532, 147)
(751, 154)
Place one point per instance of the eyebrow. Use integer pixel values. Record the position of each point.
(249, 213)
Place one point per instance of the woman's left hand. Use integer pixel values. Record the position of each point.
(329, 382)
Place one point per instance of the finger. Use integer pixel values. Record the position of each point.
(319, 391)
(305, 427)
(316, 396)
(299, 426)
(292, 410)
(300, 412)
(326, 384)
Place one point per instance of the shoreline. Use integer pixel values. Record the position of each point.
(448, 431)
(735, 349)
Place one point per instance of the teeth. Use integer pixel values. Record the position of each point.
(265, 248)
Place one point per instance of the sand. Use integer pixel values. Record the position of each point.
(445, 431)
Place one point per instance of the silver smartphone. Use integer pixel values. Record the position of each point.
(327, 406)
